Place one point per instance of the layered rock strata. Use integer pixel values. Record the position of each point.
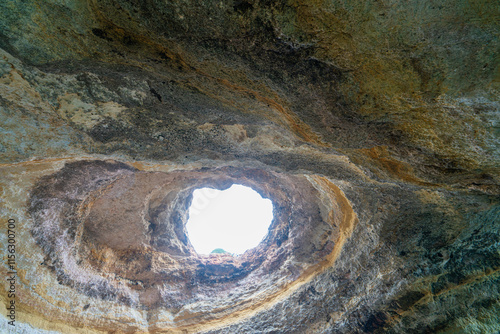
(372, 127)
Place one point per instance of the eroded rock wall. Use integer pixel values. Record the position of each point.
(373, 127)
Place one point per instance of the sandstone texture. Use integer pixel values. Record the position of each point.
(373, 127)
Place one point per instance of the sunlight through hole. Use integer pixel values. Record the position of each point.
(232, 220)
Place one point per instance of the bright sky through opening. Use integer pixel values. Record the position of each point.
(235, 219)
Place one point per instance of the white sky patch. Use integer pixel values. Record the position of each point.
(235, 219)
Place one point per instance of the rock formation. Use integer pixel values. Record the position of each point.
(373, 127)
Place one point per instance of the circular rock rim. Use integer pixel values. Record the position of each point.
(66, 205)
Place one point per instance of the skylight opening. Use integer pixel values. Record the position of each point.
(228, 221)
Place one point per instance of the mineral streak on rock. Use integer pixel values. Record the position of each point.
(372, 126)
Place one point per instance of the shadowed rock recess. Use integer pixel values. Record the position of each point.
(372, 126)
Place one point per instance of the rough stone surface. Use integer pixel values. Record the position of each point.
(372, 126)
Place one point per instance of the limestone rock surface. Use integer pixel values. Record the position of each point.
(373, 127)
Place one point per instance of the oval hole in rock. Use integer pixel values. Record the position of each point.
(228, 221)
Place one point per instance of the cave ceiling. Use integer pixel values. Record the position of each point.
(373, 127)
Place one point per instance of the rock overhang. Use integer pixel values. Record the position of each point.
(363, 112)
